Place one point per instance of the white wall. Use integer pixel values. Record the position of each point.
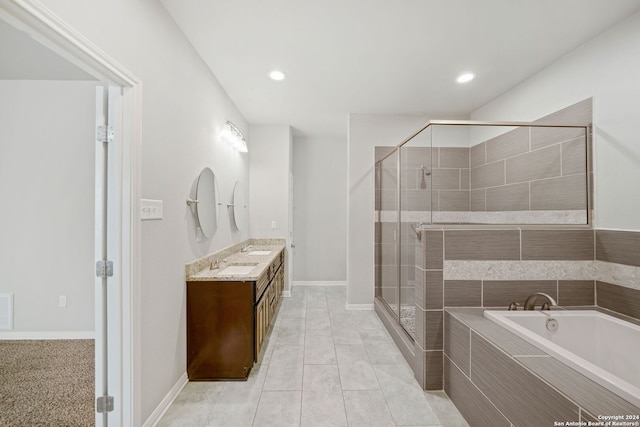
(184, 108)
(320, 209)
(270, 161)
(47, 190)
(607, 69)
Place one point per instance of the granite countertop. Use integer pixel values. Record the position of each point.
(235, 263)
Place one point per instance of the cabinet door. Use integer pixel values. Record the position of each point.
(220, 320)
(261, 323)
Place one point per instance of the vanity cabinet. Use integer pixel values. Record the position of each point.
(227, 322)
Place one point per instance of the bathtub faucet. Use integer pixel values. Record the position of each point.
(530, 303)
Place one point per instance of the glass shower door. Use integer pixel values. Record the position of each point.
(386, 229)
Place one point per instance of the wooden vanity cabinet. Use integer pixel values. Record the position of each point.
(227, 322)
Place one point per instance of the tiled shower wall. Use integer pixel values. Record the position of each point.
(494, 267)
(523, 169)
(533, 168)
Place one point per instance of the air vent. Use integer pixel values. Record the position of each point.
(6, 312)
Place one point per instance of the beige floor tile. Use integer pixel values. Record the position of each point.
(278, 409)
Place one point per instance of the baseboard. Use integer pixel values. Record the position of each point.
(319, 283)
(47, 335)
(286, 294)
(160, 410)
(358, 306)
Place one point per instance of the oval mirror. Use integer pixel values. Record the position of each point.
(239, 206)
(207, 208)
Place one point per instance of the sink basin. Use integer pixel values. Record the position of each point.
(260, 252)
(236, 270)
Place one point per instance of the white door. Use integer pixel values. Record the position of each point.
(108, 286)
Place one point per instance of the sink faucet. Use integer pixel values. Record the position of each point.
(530, 303)
(214, 265)
(246, 248)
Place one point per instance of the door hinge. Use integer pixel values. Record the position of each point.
(104, 404)
(105, 133)
(104, 268)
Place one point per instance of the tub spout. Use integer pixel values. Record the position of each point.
(530, 303)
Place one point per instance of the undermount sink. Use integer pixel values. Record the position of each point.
(237, 270)
(259, 252)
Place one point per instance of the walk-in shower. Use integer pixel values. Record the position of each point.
(470, 173)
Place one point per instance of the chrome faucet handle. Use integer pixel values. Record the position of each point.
(513, 306)
(530, 303)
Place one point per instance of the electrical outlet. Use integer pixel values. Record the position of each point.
(151, 209)
(273, 225)
(62, 301)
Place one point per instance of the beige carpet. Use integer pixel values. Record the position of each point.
(47, 383)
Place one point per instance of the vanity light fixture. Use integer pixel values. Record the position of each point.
(233, 137)
(277, 75)
(466, 77)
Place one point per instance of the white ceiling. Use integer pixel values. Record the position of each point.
(23, 58)
(381, 56)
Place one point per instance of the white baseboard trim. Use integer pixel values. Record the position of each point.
(358, 306)
(319, 283)
(286, 294)
(47, 335)
(160, 410)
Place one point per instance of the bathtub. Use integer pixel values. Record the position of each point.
(601, 347)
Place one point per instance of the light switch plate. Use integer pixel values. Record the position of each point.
(150, 209)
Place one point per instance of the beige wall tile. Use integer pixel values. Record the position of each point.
(508, 144)
(462, 293)
(544, 137)
(445, 179)
(415, 157)
(514, 197)
(471, 403)
(618, 298)
(539, 164)
(622, 247)
(501, 378)
(568, 245)
(574, 157)
(501, 293)
(576, 292)
(457, 341)
(482, 245)
(490, 175)
(433, 241)
(477, 200)
(477, 155)
(567, 192)
(454, 157)
(453, 200)
(433, 330)
(465, 179)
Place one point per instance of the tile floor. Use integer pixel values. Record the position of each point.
(323, 365)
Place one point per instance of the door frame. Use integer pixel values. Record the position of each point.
(45, 27)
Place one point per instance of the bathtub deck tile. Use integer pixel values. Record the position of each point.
(507, 342)
(578, 388)
(521, 396)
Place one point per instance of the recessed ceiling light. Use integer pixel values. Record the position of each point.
(464, 78)
(277, 75)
